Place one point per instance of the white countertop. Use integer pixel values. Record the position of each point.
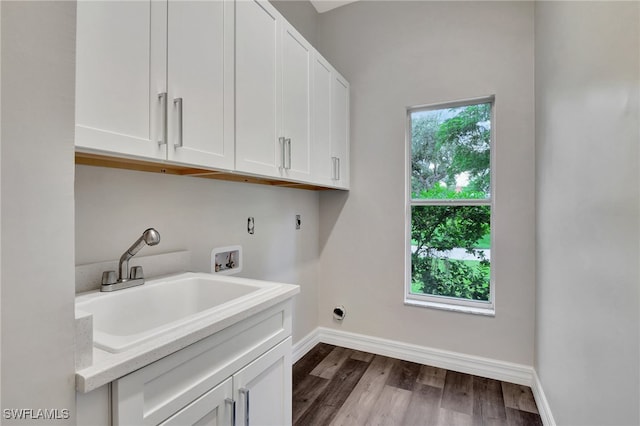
(107, 367)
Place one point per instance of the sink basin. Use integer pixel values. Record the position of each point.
(129, 317)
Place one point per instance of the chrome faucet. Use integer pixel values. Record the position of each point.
(134, 277)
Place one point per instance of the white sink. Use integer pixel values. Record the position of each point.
(125, 318)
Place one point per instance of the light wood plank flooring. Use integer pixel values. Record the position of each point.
(338, 386)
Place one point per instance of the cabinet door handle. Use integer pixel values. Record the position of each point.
(283, 162)
(288, 141)
(333, 168)
(177, 102)
(245, 392)
(162, 98)
(337, 168)
(231, 402)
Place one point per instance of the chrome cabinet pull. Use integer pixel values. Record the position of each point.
(162, 98)
(283, 162)
(231, 402)
(177, 102)
(245, 392)
(288, 141)
(337, 168)
(333, 168)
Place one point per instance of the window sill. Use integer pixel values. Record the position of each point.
(488, 312)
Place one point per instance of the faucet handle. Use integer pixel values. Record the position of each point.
(109, 277)
(136, 273)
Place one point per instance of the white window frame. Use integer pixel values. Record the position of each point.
(445, 302)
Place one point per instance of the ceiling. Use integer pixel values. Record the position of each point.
(326, 5)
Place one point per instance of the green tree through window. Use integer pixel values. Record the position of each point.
(451, 202)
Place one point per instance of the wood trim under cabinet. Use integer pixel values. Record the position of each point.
(100, 160)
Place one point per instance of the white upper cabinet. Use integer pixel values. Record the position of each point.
(340, 130)
(200, 83)
(297, 56)
(120, 73)
(330, 126)
(258, 82)
(216, 84)
(155, 80)
(273, 94)
(323, 172)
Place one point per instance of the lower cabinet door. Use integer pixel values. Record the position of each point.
(262, 390)
(215, 407)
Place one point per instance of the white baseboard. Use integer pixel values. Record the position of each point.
(470, 364)
(304, 345)
(541, 402)
(455, 361)
(485, 367)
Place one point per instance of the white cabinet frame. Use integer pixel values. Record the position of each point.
(273, 94)
(155, 79)
(226, 87)
(159, 390)
(330, 125)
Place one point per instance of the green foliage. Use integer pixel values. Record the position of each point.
(468, 136)
(484, 242)
(455, 278)
(439, 192)
(444, 148)
(437, 229)
(429, 160)
(445, 145)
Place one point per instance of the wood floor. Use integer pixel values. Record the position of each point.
(338, 386)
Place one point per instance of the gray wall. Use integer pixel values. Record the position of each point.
(302, 15)
(401, 54)
(588, 186)
(38, 63)
(0, 205)
(198, 215)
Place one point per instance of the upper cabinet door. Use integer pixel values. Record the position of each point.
(323, 164)
(297, 56)
(200, 83)
(340, 131)
(330, 126)
(258, 84)
(120, 75)
(216, 84)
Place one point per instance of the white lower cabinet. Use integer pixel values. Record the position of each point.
(263, 389)
(259, 394)
(238, 376)
(215, 407)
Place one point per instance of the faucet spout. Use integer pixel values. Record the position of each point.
(149, 237)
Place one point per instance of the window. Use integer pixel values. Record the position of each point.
(449, 206)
